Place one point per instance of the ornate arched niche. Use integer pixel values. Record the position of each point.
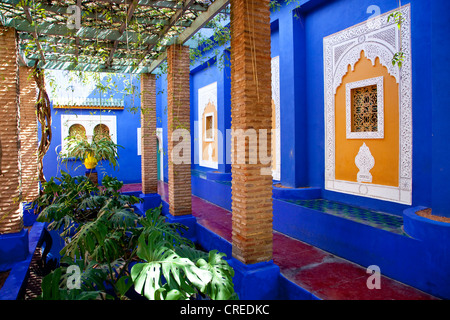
(208, 126)
(368, 110)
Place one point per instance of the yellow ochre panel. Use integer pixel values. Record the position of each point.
(385, 151)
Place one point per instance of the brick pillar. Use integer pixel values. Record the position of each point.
(148, 135)
(28, 134)
(178, 103)
(11, 220)
(251, 111)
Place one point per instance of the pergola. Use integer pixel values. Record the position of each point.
(136, 36)
(121, 36)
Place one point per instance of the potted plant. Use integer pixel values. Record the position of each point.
(91, 152)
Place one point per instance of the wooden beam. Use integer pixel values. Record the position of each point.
(158, 4)
(122, 29)
(73, 52)
(47, 42)
(26, 9)
(173, 20)
(84, 33)
(90, 67)
(215, 8)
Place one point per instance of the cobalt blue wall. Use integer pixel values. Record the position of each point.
(127, 121)
(297, 37)
(440, 106)
(203, 74)
(316, 20)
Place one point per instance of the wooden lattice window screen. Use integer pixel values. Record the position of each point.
(101, 131)
(78, 132)
(365, 109)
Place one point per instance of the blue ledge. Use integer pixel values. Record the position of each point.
(15, 283)
(150, 201)
(188, 221)
(416, 262)
(13, 247)
(275, 285)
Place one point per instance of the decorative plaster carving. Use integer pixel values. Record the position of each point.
(342, 50)
(380, 104)
(365, 162)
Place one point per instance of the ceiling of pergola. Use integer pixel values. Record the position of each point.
(126, 36)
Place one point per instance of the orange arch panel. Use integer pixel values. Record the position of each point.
(385, 151)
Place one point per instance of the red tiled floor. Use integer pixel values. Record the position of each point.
(319, 272)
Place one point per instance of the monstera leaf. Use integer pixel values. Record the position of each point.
(163, 265)
(153, 221)
(221, 285)
(54, 288)
(87, 239)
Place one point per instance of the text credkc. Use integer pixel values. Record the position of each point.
(239, 309)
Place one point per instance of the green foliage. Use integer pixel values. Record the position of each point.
(53, 289)
(74, 201)
(397, 17)
(116, 249)
(399, 57)
(101, 149)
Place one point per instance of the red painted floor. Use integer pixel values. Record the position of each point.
(323, 274)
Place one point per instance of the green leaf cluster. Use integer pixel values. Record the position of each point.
(102, 148)
(120, 252)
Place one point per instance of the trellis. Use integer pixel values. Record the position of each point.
(114, 36)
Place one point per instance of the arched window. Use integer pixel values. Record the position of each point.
(101, 131)
(77, 131)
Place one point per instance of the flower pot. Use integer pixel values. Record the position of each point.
(92, 175)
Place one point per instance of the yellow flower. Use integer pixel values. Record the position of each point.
(90, 162)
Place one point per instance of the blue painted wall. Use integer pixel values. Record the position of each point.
(301, 45)
(203, 74)
(127, 121)
(297, 37)
(440, 107)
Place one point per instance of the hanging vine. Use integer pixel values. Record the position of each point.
(397, 16)
(43, 113)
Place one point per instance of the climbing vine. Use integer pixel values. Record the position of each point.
(399, 57)
(43, 112)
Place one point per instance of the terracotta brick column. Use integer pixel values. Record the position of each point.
(11, 220)
(28, 134)
(178, 103)
(148, 135)
(251, 111)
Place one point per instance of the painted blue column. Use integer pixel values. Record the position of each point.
(440, 107)
(258, 281)
(292, 50)
(224, 123)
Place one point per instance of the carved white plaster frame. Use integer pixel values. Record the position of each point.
(276, 98)
(206, 95)
(378, 81)
(343, 49)
(88, 122)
